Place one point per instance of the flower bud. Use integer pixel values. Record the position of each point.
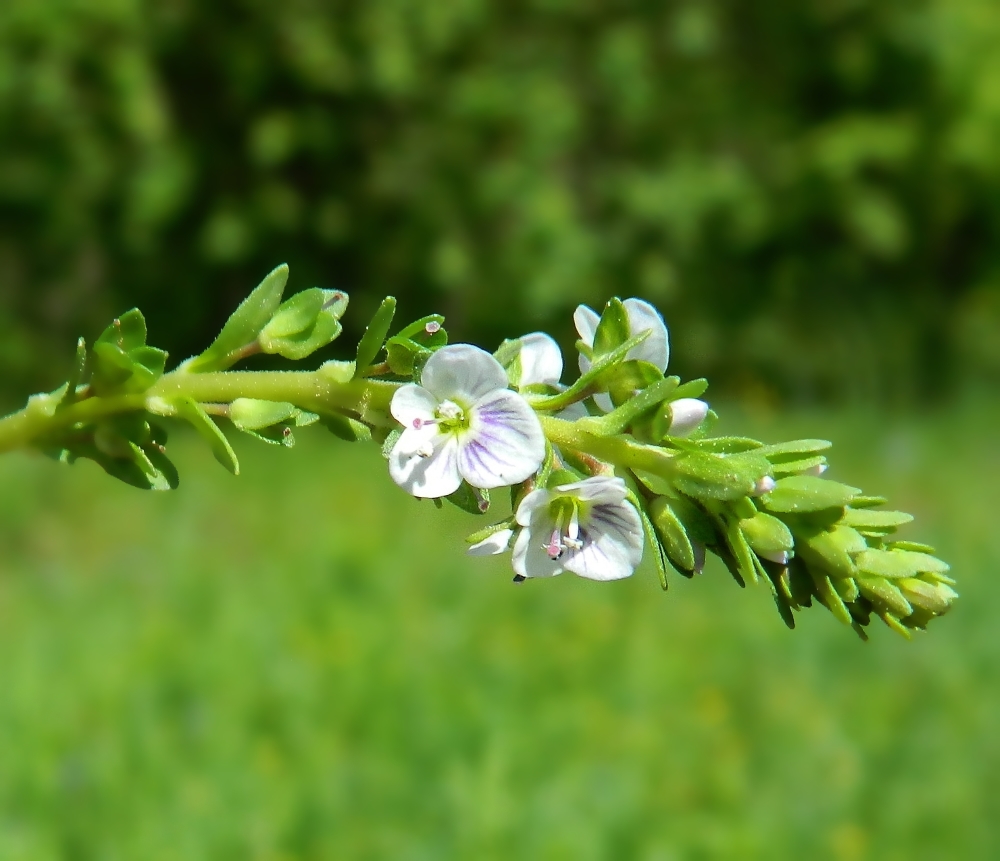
(685, 415)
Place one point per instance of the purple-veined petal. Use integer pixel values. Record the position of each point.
(612, 543)
(491, 545)
(541, 360)
(412, 402)
(530, 558)
(597, 488)
(642, 317)
(427, 477)
(462, 373)
(538, 498)
(503, 444)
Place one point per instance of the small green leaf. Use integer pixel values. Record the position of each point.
(794, 467)
(76, 374)
(690, 389)
(470, 499)
(374, 336)
(192, 412)
(672, 534)
(897, 564)
(831, 599)
(713, 476)
(798, 493)
(127, 331)
(884, 595)
(794, 450)
(868, 519)
(349, 429)
(767, 534)
(613, 329)
(246, 323)
(728, 445)
(831, 549)
(252, 414)
(933, 597)
(303, 324)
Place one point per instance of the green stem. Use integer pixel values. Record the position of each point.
(323, 391)
(621, 451)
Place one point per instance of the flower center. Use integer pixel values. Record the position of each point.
(565, 536)
(449, 416)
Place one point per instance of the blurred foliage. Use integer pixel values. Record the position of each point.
(271, 674)
(809, 190)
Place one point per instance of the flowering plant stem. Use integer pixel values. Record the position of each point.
(618, 461)
(317, 391)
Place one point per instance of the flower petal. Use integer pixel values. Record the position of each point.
(586, 319)
(426, 477)
(612, 543)
(597, 488)
(656, 348)
(530, 558)
(462, 373)
(412, 402)
(685, 415)
(503, 444)
(541, 360)
(530, 504)
(493, 544)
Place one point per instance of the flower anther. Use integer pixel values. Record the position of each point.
(586, 527)
(462, 422)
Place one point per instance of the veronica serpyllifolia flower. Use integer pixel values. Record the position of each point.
(587, 527)
(462, 422)
(540, 363)
(642, 317)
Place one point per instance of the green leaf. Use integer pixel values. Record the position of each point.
(884, 595)
(252, 414)
(672, 534)
(794, 467)
(374, 336)
(867, 519)
(613, 329)
(933, 597)
(767, 534)
(728, 445)
(470, 499)
(831, 599)
(191, 411)
(831, 549)
(628, 378)
(350, 430)
(76, 374)
(897, 564)
(691, 389)
(303, 324)
(246, 323)
(713, 476)
(127, 331)
(798, 493)
(795, 449)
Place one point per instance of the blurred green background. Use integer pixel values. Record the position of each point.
(809, 190)
(303, 664)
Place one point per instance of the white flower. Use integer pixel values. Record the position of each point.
(540, 363)
(463, 422)
(685, 415)
(586, 527)
(642, 317)
(779, 557)
(765, 484)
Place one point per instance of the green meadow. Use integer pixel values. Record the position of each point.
(301, 663)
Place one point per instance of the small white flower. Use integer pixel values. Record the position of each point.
(685, 415)
(586, 527)
(642, 317)
(816, 470)
(463, 422)
(540, 363)
(778, 556)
